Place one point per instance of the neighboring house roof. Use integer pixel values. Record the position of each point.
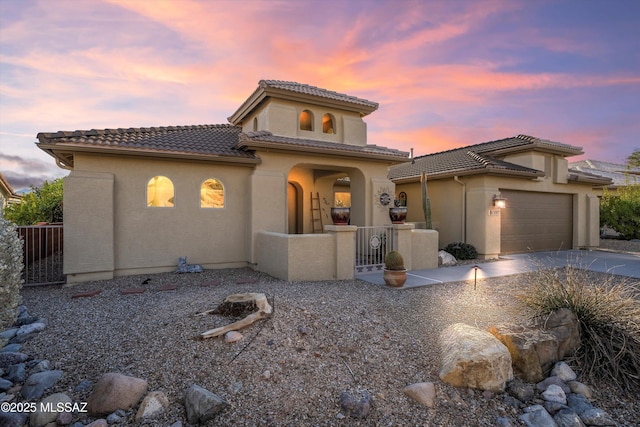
(301, 92)
(618, 174)
(265, 139)
(7, 193)
(204, 142)
(481, 158)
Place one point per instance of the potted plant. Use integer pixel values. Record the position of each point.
(394, 273)
(340, 214)
(398, 213)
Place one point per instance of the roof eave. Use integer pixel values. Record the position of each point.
(469, 172)
(65, 152)
(253, 144)
(536, 146)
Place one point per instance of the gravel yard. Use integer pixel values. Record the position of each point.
(323, 338)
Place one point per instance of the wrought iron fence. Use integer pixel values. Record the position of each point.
(42, 254)
(372, 244)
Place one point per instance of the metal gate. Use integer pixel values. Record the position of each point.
(42, 254)
(372, 244)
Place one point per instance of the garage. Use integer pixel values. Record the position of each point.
(534, 222)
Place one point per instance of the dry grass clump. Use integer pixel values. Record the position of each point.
(608, 308)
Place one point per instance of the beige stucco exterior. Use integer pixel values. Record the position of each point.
(462, 206)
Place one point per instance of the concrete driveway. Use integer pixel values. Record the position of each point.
(622, 264)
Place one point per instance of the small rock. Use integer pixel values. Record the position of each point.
(11, 358)
(16, 373)
(537, 416)
(41, 366)
(446, 259)
(503, 422)
(31, 328)
(579, 388)
(554, 407)
(13, 348)
(266, 374)
(152, 405)
(13, 418)
(202, 405)
(114, 418)
(554, 393)
(5, 384)
(542, 385)
(176, 424)
(520, 390)
(512, 401)
(578, 403)
(233, 336)
(340, 416)
(423, 393)
(37, 383)
(487, 394)
(42, 418)
(303, 331)
(25, 319)
(354, 407)
(82, 386)
(568, 418)
(115, 391)
(7, 334)
(98, 423)
(564, 372)
(64, 418)
(596, 417)
(235, 387)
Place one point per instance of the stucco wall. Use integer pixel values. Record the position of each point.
(151, 239)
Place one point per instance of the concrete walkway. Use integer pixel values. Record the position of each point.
(622, 264)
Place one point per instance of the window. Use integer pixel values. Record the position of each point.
(328, 124)
(255, 124)
(306, 120)
(160, 192)
(212, 194)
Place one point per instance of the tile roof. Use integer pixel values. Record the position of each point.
(198, 140)
(267, 139)
(315, 91)
(617, 173)
(480, 158)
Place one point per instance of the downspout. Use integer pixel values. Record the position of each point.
(464, 208)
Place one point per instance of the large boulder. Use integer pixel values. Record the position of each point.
(474, 358)
(115, 391)
(536, 347)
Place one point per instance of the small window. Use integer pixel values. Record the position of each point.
(255, 124)
(160, 192)
(306, 120)
(212, 194)
(328, 124)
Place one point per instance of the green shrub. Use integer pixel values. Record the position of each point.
(10, 273)
(620, 210)
(394, 261)
(42, 204)
(608, 309)
(462, 251)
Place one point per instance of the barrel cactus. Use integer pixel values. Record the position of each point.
(393, 261)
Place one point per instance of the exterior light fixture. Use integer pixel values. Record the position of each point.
(475, 275)
(499, 201)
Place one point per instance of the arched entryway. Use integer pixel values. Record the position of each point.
(294, 208)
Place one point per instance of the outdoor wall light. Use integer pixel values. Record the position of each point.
(499, 201)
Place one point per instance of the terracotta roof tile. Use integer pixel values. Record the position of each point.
(480, 158)
(260, 138)
(219, 140)
(316, 91)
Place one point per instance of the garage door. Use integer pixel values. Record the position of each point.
(534, 222)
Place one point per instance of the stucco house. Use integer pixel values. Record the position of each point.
(545, 205)
(254, 192)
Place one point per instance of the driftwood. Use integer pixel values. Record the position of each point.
(238, 303)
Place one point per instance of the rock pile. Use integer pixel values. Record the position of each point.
(25, 383)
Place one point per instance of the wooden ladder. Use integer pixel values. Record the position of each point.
(316, 214)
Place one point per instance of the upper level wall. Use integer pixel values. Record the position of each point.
(282, 118)
(554, 167)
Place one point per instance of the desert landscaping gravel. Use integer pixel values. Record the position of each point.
(289, 370)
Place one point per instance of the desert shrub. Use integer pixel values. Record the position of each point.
(462, 251)
(10, 272)
(608, 309)
(43, 204)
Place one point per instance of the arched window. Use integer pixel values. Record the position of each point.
(328, 124)
(255, 124)
(306, 120)
(160, 192)
(212, 194)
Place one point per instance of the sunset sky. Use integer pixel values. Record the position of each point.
(445, 73)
